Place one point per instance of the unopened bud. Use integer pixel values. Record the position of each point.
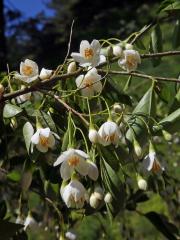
(108, 198)
(70, 235)
(109, 51)
(94, 201)
(13, 123)
(128, 46)
(118, 108)
(142, 184)
(71, 67)
(167, 135)
(45, 74)
(137, 148)
(117, 51)
(93, 136)
(99, 193)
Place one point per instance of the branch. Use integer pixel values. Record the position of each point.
(161, 54)
(136, 74)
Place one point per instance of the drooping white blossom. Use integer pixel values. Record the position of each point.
(93, 172)
(89, 54)
(29, 71)
(109, 133)
(130, 60)
(74, 194)
(89, 83)
(70, 160)
(43, 139)
(45, 74)
(151, 163)
(24, 97)
(94, 201)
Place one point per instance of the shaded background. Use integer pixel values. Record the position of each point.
(39, 29)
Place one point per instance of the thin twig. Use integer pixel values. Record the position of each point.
(145, 76)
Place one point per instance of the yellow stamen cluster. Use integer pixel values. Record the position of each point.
(27, 70)
(44, 141)
(156, 167)
(88, 53)
(73, 161)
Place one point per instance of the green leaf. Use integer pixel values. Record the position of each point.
(112, 183)
(14, 176)
(156, 44)
(28, 132)
(3, 209)
(11, 110)
(65, 141)
(146, 108)
(161, 222)
(8, 229)
(176, 35)
(139, 43)
(110, 158)
(171, 123)
(46, 120)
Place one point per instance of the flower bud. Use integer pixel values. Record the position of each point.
(167, 136)
(93, 135)
(128, 46)
(94, 201)
(137, 148)
(71, 67)
(117, 51)
(108, 198)
(118, 108)
(109, 51)
(30, 222)
(99, 193)
(142, 184)
(45, 74)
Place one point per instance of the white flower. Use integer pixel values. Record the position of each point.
(89, 83)
(117, 51)
(142, 184)
(70, 235)
(72, 159)
(93, 135)
(108, 198)
(29, 71)
(109, 133)
(74, 194)
(43, 139)
(71, 67)
(30, 222)
(93, 172)
(150, 163)
(130, 60)
(89, 54)
(45, 73)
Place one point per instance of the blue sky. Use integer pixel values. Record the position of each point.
(29, 7)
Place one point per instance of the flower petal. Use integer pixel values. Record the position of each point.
(81, 153)
(82, 167)
(87, 92)
(66, 171)
(83, 45)
(45, 132)
(96, 45)
(148, 162)
(35, 137)
(33, 65)
(78, 58)
(93, 172)
(79, 81)
(51, 141)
